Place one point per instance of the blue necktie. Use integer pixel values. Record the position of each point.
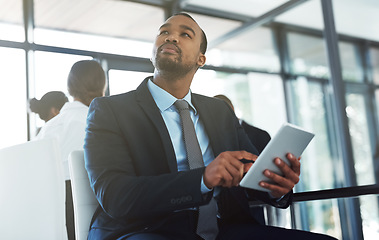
(207, 221)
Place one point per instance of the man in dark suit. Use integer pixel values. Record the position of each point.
(136, 158)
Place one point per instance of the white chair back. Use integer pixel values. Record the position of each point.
(32, 192)
(84, 199)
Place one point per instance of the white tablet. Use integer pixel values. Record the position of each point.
(289, 139)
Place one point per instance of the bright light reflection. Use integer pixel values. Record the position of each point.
(12, 101)
(93, 43)
(124, 81)
(11, 32)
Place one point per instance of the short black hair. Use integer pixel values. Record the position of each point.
(204, 41)
(86, 81)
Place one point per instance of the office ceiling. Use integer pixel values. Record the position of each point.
(132, 20)
(352, 17)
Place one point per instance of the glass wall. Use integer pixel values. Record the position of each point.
(13, 102)
(322, 216)
(363, 162)
(359, 131)
(307, 55)
(258, 99)
(121, 81)
(351, 62)
(374, 54)
(309, 111)
(54, 77)
(267, 102)
(251, 50)
(308, 104)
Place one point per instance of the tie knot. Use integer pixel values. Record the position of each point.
(181, 105)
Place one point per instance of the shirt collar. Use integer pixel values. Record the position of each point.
(74, 104)
(165, 100)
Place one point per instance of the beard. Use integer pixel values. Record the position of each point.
(168, 65)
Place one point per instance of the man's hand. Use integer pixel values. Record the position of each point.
(283, 184)
(227, 170)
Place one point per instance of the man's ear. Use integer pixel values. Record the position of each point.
(201, 60)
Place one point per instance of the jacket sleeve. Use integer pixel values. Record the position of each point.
(122, 191)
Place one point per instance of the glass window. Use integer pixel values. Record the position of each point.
(118, 27)
(267, 102)
(308, 111)
(376, 150)
(211, 83)
(351, 63)
(11, 21)
(359, 132)
(51, 72)
(374, 57)
(307, 55)
(370, 216)
(363, 161)
(121, 81)
(320, 216)
(251, 50)
(13, 103)
(257, 98)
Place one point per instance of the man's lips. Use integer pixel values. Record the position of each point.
(169, 48)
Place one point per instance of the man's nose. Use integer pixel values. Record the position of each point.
(171, 38)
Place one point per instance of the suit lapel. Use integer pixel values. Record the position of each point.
(209, 119)
(147, 103)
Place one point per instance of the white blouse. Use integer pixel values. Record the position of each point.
(68, 127)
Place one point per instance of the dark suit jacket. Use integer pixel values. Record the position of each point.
(258, 137)
(133, 170)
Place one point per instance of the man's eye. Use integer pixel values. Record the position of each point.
(163, 33)
(186, 35)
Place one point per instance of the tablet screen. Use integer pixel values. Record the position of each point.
(289, 139)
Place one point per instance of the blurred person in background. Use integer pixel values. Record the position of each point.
(85, 82)
(49, 105)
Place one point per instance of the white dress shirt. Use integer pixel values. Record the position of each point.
(171, 117)
(68, 127)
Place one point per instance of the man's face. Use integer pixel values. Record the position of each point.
(177, 45)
